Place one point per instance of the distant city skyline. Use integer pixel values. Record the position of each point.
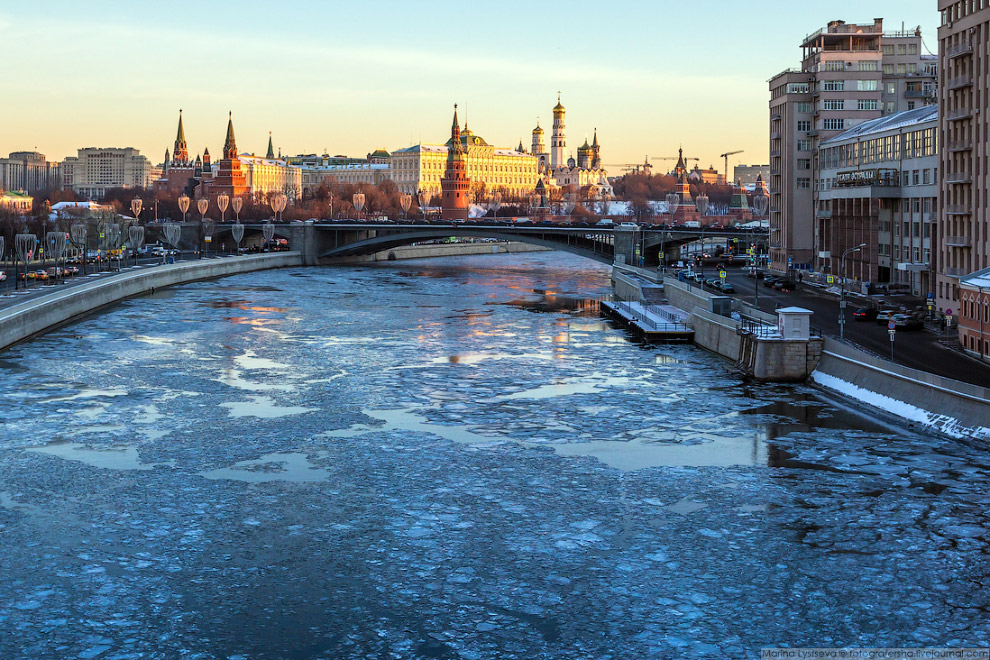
(649, 77)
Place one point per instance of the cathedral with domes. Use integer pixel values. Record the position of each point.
(555, 171)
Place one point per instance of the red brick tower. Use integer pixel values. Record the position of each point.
(230, 177)
(455, 184)
(180, 152)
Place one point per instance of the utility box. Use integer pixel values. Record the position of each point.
(721, 305)
(794, 323)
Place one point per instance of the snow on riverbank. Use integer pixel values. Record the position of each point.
(943, 423)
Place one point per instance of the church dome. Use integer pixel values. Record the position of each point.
(537, 130)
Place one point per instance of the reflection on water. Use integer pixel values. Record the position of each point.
(111, 458)
(287, 467)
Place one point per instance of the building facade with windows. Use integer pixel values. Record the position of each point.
(29, 171)
(842, 82)
(877, 185)
(16, 202)
(964, 131)
(94, 171)
(421, 167)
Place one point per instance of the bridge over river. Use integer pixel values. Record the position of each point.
(325, 242)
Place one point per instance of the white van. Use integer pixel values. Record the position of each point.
(604, 222)
(629, 225)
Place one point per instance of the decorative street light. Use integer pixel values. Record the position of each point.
(842, 287)
(237, 232)
(496, 203)
(79, 235)
(423, 199)
(673, 201)
(237, 204)
(268, 231)
(358, 201)
(405, 201)
(183, 205)
(202, 205)
(278, 202)
(570, 201)
(24, 245)
(56, 247)
(223, 200)
(172, 232)
(135, 236)
(136, 205)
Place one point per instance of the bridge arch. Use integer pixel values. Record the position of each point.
(576, 243)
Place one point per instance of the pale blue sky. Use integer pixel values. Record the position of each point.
(351, 76)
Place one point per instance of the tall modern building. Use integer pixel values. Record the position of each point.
(850, 73)
(964, 130)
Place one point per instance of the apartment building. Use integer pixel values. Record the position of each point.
(95, 170)
(964, 131)
(850, 73)
(878, 186)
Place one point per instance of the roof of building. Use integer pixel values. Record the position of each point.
(979, 279)
(16, 194)
(379, 153)
(888, 123)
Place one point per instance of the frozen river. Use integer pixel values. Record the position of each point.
(455, 459)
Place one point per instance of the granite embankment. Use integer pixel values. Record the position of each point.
(41, 313)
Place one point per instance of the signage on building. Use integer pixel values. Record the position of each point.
(884, 177)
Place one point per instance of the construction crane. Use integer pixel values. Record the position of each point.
(632, 167)
(726, 157)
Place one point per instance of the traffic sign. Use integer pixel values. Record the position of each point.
(721, 274)
(830, 279)
(891, 326)
(891, 333)
(930, 296)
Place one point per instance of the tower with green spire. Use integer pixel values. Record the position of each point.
(271, 151)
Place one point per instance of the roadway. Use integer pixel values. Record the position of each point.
(918, 349)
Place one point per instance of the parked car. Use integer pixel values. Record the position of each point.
(865, 314)
(711, 284)
(726, 287)
(907, 322)
(3, 275)
(769, 281)
(754, 272)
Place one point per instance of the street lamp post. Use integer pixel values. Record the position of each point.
(223, 200)
(183, 205)
(202, 205)
(701, 205)
(760, 204)
(496, 204)
(358, 201)
(405, 201)
(136, 205)
(842, 288)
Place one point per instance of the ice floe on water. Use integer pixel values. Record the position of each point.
(434, 460)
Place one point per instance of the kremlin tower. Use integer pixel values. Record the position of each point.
(558, 142)
(455, 185)
(230, 177)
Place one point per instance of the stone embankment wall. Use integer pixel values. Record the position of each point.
(39, 314)
(950, 406)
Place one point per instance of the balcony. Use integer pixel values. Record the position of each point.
(960, 145)
(776, 136)
(775, 154)
(957, 209)
(822, 214)
(957, 241)
(824, 254)
(959, 177)
(959, 50)
(775, 245)
(912, 266)
(958, 113)
(956, 272)
(959, 82)
(916, 94)
(813, 133)
(775, 116)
